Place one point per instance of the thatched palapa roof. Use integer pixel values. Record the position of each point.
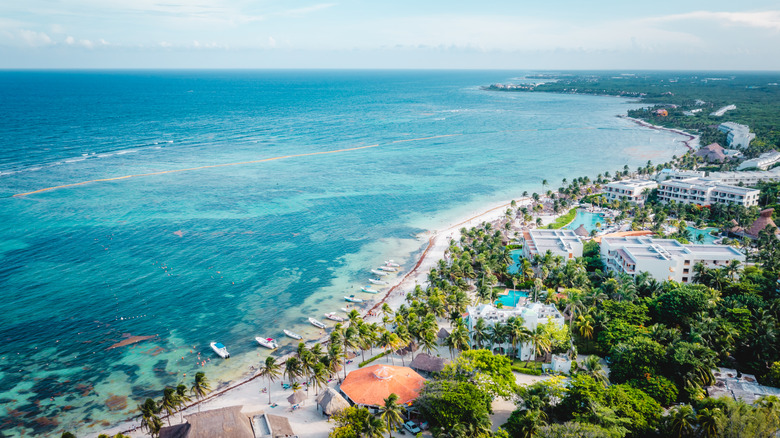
(224, 422)
(426, 362)
(443, 334)
(331, 402)
(581, 231)
(296, 397)
(763, 221)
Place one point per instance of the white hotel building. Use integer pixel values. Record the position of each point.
(703, 191)
(664, 259)
(631, 190)
(564, 243)
(533, 314)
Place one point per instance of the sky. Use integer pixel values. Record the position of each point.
(375, 34)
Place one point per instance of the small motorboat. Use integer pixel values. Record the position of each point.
(220, 349)
(352, 299)
(293, 335)
(316, 323)
(368, 290)
(388, 268)
(379, 273)
(375, 281)
(267, 342)
(344, 309)
(334, 317)
(392, 264)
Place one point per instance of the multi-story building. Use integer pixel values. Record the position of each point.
(532, 314)
(704, 191)
(564, 243)
(664, 259)
(745, 177)
(762, 162)
(666, 174)
(736, 135)
(631, 190)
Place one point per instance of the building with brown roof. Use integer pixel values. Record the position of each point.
(426, 363)
(370, 386)
(764, 221)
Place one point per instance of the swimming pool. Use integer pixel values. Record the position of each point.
(510, 299)
(708, 238)
(517, 255)
(588, 219)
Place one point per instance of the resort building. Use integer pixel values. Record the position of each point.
(705, 191)
(533, 315)
(716, 153)
(745, 177)
(562, 243)
(763, 222)
(763, 162)
(632, 190)
(229, 421)
(666, 174)
(370, 386)
(664, 259)
(736, 135)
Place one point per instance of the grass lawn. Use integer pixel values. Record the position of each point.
(563, 220)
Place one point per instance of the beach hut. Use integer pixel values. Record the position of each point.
(426, 363)
(330, 402)
(296, 397)
(227, 422)
(442, 335)
(370, 386)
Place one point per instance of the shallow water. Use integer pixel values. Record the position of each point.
(232, 252)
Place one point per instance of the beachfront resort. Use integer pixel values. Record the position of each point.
(534, 319)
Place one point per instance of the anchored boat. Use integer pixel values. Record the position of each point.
(220, 349)
(293, 335)
(267, 342)
(316, 323)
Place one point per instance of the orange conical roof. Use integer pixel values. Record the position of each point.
(372, 385)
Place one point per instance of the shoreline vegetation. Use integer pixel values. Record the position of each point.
(442, 248)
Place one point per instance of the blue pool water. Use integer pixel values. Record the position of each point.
(708, 238)
(510, 299)
(588, 219)
(517, 254)
(237, 241)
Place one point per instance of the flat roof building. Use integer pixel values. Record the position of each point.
(664, 259)
(762, 162)
(631, 190)
(704, 191)
(666, 174)
(745, 177)
(564, 243)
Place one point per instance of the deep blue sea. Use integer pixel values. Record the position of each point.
(235, 251)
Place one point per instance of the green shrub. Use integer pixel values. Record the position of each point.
(362, 364)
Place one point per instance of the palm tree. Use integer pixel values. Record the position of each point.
(404, 337)
(183, 398)
(518, 333)
(349, 340)
(200, 387)
(390, 413)
(149, 419)
(585, 326)
(169, 402)
(319, 376)
(540, 341)
(708, 421)
(390, 342)
(682, 421)
(292, 369)
(272, 371)
(373, 428)
(479, 332)
(592, 367)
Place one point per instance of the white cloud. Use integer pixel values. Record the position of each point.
(762, 20)
(34, 39)
(271, 41)
(297, 12)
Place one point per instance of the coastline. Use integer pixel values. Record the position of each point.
(437, 243)
(693, 140)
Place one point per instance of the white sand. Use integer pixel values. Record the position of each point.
(306, 422)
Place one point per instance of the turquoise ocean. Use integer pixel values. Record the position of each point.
(233, 245)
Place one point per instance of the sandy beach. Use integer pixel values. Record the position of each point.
(307, 422)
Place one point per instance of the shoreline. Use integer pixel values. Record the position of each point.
(232, 393)
(691, 138)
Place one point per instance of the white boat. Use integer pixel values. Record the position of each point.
(334, 317)
(267, 342)
(368, 290)
(392, 264)
(388, 269)
(316, 323)
(220, 349)
(352, 299)
(292, 335)
(375, 281)
(345, 310)
(379, 273)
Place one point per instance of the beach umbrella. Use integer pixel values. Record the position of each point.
(296, 397)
